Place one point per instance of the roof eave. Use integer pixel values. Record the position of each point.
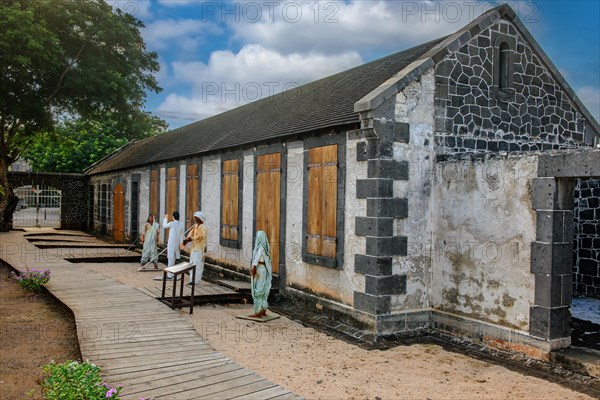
(89, 170)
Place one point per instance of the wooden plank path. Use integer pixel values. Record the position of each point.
(203, 293)
(141, 343)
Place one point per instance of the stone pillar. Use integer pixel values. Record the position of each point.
(552, 258)
(382, 209)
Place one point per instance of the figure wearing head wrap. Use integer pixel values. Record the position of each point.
(197, 236)
(149, 238)
(176, 232)
(261, 275)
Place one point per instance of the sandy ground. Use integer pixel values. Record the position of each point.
(317, 366)
(34, 330)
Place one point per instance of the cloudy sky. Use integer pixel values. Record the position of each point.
(217, 55)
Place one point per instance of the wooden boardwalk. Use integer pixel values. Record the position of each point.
(205, 292)
(141, 343)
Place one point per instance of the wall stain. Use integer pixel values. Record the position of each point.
(507, 301)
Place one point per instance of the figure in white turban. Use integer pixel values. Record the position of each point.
(197, 236)
(261, 275)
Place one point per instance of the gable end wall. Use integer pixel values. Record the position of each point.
(471, 118)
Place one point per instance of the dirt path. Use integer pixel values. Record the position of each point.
(317, 366)
(34, 330)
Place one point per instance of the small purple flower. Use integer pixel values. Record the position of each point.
(111, 392)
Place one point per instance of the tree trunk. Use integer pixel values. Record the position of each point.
(8, 200)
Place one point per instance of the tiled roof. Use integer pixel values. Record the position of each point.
(322, 104)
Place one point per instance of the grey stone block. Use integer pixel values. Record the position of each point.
(364, 133)
(375, 305)
(374, 148)
(567, 290)
(391, 169)
(392, 130)
(543, 193)
(551, 258)
(418, 320)
(387, 246)
(570, 165)
(384, 285)
(549, 323)
(548, 290)
(391, 323)
(554, 226)
(374, 188)
(376, 266)
(363, 151)
(367, 226)
(393, 208)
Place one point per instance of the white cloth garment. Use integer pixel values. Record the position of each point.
(197, 259)
(176, 231)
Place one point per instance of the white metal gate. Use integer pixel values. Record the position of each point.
(39, 205)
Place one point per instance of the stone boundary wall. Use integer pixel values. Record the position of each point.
(74, 209)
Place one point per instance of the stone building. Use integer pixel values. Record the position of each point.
(433, 188)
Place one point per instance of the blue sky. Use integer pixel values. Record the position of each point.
(216, 55)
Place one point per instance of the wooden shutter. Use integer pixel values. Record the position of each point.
(192, 185)
(322, 201)
(171, 191)
(268, 201)
(230, 200)
(154, 193)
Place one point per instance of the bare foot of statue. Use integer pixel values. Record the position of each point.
(262, 314)
(257, 315)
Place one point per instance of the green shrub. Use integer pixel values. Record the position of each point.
(72, 380)
(32, 280)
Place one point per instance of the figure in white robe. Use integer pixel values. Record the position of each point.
(149, 238)
(261, 275)
(176, 232)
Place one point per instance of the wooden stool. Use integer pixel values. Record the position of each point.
(179, 271)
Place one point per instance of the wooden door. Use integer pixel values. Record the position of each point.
(171, 195)
(322, 201)
(154, 206)
(191, 191)
(134, 209)
(268, 201)
(118, 213)
(230, 200)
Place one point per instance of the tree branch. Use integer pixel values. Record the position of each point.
(64, 73)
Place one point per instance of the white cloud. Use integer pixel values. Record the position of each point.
(590, 96)
(232, 79)
(337, 26)
(187, 34)
(139, 9)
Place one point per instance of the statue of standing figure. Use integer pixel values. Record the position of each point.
(261, 275)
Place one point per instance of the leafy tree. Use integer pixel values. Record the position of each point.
(72, 147)
(67, 58)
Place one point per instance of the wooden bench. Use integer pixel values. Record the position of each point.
(179, 271)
